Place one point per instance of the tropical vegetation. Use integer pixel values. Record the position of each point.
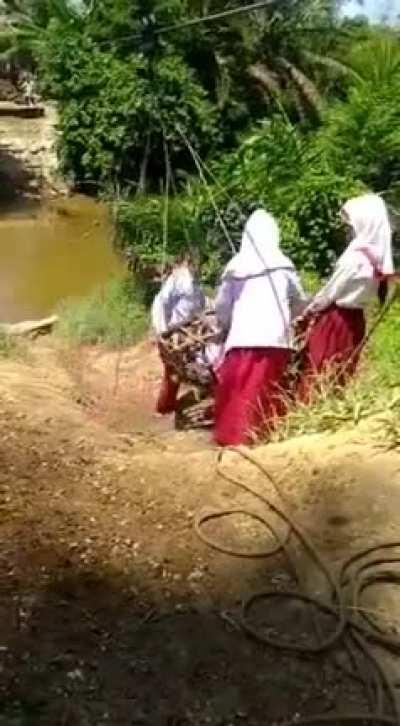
(188, 124)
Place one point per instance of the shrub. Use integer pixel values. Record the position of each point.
(275, 167)
(114, 316)
(141, 220)
(312, 229)
(365, 130)
(116, 112)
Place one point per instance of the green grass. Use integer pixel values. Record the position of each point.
(375, 391)
(311, 282)
(331, 411)
(383, 355)
(114, 316)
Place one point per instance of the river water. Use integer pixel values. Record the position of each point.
(50, 253)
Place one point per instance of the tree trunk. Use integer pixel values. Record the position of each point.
(141, 188)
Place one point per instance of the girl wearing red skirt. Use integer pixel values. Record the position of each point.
(336, 333)
(179, 300)
(258, 297)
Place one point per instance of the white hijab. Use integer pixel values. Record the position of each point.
(369, 218)
(259, 250)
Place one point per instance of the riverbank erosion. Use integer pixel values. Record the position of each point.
(113, 610)
(29, 166)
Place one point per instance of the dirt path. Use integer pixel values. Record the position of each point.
(113, 612)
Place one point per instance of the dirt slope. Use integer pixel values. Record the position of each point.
(113, 612)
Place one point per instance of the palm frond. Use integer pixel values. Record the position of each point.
(376, 60)
(333, 64)
(269, 81)
(305, 86)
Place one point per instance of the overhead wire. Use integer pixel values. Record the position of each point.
(251, 7)
(216, 16)
(166, 204)
(267, 270)
(209, 192)
(204, 19)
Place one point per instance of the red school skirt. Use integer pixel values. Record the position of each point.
(168, 394)
(332, 350)
(249, 393)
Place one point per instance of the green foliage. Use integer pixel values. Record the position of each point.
(25, 37)
(375, 60)
(301, 175)
(114, 316)
(375, 392)
(109, 107)
(142, 221)
(122, 86)
(275, 167)
(286, 45)
(129, 96)
(315, 233)
(365, 129)
(383, 354)
(99, 130)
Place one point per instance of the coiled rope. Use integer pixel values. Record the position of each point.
(354, 631)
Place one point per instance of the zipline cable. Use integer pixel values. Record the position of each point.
(166, 204)
(266, 270)
(209, 192)
(252, 7)
(216, 16)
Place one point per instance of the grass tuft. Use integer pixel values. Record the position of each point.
(374, 392)
(114, 315)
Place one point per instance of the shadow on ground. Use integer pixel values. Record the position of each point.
(81, 649)
(97, 630)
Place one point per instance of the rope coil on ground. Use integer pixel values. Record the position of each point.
(354, 631)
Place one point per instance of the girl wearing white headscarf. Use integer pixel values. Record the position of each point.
(335, 338)
(180, 300)
(258, 298)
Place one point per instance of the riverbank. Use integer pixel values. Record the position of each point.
(120, 614)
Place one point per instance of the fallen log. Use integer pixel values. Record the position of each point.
(30, 327)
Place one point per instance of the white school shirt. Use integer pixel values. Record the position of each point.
(258, 311)
(179, 300)
(352, 285)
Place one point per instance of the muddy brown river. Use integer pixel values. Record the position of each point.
(48, 254)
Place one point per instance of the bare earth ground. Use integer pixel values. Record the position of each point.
(112, 611)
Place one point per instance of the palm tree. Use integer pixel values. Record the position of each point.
(25, 23)
(272, 47)
(372, 58)
(284, 66)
